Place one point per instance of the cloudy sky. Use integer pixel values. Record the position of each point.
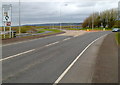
(55, 11)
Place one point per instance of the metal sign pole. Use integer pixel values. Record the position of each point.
(10, 30)
(4, 29)
(11, 21)
(3, 23)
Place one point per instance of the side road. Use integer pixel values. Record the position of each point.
(98, 64)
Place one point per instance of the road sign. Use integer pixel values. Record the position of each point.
(7, 17)
(8, 23)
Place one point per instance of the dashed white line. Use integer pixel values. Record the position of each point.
(69, 67)
(52, 43)
(76, 36)
(66, 39)
(25, 52)
(17, 55)
(30, 51)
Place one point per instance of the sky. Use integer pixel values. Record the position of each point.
(56, 11)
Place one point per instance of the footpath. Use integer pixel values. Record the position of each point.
(98, 64)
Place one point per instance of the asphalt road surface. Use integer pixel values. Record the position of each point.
(42, 60)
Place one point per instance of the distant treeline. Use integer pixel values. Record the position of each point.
(105, 19)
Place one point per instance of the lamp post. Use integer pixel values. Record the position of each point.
(93, 19)
(19, 18)
(60, 18)
(119, 10)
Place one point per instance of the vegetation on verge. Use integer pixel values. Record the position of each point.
(118, 37)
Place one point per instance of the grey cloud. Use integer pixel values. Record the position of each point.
(71, 10)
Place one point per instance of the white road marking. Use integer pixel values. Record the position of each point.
(69, 67)
(25, 52)
(52, 43)
(66, 39)
(17, 55)
(30, 50)
(76, 36)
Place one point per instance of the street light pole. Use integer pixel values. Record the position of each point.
(60, 17)
(19, 18)
(119, 10)
(93, 19)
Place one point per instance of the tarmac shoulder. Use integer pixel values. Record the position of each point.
(106, 67)
(98, 64)
(83, 70)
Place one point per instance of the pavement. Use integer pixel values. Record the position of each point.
(98, 64)
(43, 60)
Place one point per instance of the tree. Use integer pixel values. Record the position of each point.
(106, 18)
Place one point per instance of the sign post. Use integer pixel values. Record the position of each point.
(7, 18)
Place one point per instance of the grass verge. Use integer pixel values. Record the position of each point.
(118, 37)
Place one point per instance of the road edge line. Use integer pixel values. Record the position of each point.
(68, 68)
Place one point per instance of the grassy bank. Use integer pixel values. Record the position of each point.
(118, 38)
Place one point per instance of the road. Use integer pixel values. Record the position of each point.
(43, 60)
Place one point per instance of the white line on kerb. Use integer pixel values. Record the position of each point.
(16, 55)
(68, 68)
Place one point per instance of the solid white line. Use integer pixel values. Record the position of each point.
(52, 44)
(68, 68)
(66, 39)
(17, 55)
